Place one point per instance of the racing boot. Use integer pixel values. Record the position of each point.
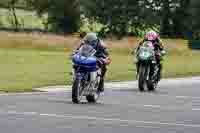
(101, 85)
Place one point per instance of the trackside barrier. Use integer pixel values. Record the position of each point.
(194, 44)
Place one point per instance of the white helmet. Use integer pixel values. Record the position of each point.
(90, 37)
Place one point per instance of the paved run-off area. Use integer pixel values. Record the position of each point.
(173, 108)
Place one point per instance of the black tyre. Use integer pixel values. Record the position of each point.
(76, 91)
(92, 98)
(141, 78)
(151, 85)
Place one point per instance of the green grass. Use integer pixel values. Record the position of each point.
(28, 19)
(27, 63)
(175, 65)
(22, 70)
(182, 64)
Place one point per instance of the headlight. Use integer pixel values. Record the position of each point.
(145, 55)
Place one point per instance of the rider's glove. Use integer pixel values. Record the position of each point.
(163, 52)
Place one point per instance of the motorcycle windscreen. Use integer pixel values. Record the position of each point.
(87, 64)
(86, 50)
(148, 44)
(145, 53)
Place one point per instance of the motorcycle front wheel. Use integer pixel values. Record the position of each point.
(92, 98)
(142, 77)
(76, 91)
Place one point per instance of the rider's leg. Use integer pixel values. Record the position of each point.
(137, 69)
(160, 71)
(103, 72)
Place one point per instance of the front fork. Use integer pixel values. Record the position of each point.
(137, 69)
(147, 71)
(95, 78)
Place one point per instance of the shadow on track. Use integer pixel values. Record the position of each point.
(135, 90)
(69, 102)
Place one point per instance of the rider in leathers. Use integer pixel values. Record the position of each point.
(101, 54)
(158, 47)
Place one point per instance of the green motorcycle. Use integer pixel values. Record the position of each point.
(147, 67)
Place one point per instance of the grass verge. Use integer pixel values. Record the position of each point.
(27, 64)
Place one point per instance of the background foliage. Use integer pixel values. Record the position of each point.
(172, 18)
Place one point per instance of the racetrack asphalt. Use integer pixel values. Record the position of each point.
(173, 108)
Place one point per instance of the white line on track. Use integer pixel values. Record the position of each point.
(125, 104)
(147, 106)
(125, 84)
(169, 96)
(101, 119)
(159, 107)
(136, 94)
(152, 106)
(197, 109)
(26, 93)
(184, 97)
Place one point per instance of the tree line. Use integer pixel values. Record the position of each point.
(172, 18)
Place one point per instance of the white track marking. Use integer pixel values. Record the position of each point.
(126, 84)
(147, 106)
(169, 96)
(113, 86)
(130, 122)
(26, 93)
(157, 107)
(197, 109)
(184, 97)
(152, 106)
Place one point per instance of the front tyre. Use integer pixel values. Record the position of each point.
(92, 98)
(153, 82)
(141, 77)
(151, 85)
(76, 91)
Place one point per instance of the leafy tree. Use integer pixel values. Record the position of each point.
(63, 15)
(117, 16)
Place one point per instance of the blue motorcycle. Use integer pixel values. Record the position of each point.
(86, 75)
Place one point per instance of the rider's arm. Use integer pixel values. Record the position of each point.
(161, 45)
(80, 44)
(141, 42)
(104, 49)
(76, 49)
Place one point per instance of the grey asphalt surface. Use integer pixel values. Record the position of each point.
(173, 108)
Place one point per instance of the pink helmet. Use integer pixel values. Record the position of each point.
(151, 35)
